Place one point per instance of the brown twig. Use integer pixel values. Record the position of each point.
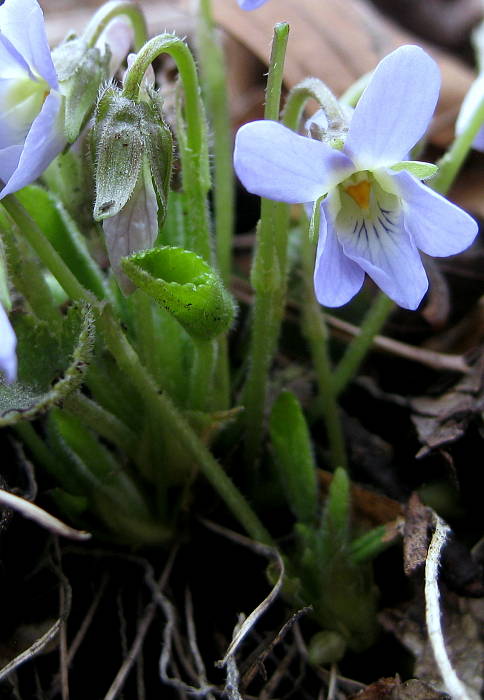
(430, 358)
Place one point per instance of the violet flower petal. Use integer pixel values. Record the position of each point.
(22, 22)
(391, 259)
(8, 343)
(118, 36)
(44, 142)
(336, 278)
(395, 109)
(437, 226)
(479, 141)
(250, 4)
(275, 162)
(12, 63)
(9, 158)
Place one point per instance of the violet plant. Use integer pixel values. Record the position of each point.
(124, 380)
(250, 4)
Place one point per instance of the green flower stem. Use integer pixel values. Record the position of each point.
(193, 148)
(202, 374)
(104, 423)
(452, 161)
(268, 278)
(316, 332)
(36, 445)
(357, 350)
(45, 251)
(312, 88)
(113, 10)
(214, 88)
(314, 325)
(166, 413)
(147, 337)
(26, 275)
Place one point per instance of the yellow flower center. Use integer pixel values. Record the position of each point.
(360, 193)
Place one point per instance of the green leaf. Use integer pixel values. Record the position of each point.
(335, 524)
(419, 169)
(58, 226)
(293, 455)
(51, 366)
(185, 285)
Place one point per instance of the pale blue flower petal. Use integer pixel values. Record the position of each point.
(275, 162)
(119, 37)
(8, 343)
(44, 142)
(468, 109)
(9, 158)
(22, 22)
(250, 4)
(336, 278)
(12, 63)
(437, 226)
(395, 109)
(479, 141)
(389, 256)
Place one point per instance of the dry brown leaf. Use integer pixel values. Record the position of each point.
(368, 505)
(338, 42)
(444, 419)
(416, 538)
(463, 640)
(394, 689)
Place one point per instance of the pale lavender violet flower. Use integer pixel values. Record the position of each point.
(31, 119)
(469, 106)
(8, 343)
(250, 4)
(375, 214)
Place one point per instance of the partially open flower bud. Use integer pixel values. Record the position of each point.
(133, 151)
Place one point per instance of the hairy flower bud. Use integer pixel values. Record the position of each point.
(133, 151)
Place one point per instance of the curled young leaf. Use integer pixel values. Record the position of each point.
(185, 285)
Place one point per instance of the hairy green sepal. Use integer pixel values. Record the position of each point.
(50, 366)
(185, 285)
(125, 134)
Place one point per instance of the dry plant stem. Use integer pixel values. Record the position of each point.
(432, 614)
(65, 602)
(127, 359)
(40, 516)
(147, 619)
(267, 276)
(429, 358)
(192, 639)
(32, 651)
